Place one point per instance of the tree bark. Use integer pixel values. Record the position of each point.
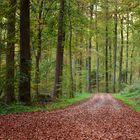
(106, 49)
(70, 55)
(97, 50)
(25, 55)
(9, 90)
(121, 56)
(115, 45)
(59, 53)
(132, 56)
(131, 65)
(89, 49)
(38, 55)
(127, 48)
(80, 63)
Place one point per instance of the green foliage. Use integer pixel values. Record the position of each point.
(128, 101)
(132, 89)
(79, 13)
(61, 103)
(131, 96)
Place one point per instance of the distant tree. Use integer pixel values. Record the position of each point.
(127, 48)
(97, 47)
(106, 48)
(121, 54)
(70, 53)
(115, 44)
(89, 48)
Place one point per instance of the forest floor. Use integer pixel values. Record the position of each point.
(100, 118)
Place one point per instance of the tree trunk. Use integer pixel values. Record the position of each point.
(110, 63)
(80, 63)
(139, 73)
(132, 57)
(38, 55)
(115, 45)
(89, 49)
(106, 49)
(70, 55)
(121, 56)
(60, 50)
(25, 55)
(127, 48)
(9, 90)
(131, 65)
(97, 50)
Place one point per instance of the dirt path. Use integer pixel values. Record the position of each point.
(100, 118)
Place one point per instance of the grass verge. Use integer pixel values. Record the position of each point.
(61, 103)
(127, 98)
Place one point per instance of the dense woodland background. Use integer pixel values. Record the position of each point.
(58, 48)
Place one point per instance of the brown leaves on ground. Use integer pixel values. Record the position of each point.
(100, 118)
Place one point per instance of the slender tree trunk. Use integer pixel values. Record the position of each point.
(89, 65)
(132, 57)
(60, 50)
(9, 90)
(89, 49)
(76, 66)
(115, 45)
(38, 55)
(139, 73)
(127, 48)
(97, 50)
(110, 63)
(131, 65)
(121, 55)
(106, 49)
(80, 64)
(25, 55)
(70, 55)
(71, 70)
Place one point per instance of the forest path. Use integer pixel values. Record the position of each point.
(99, 118)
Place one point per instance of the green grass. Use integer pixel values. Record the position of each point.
(61, 103)
(130, 95)
(127, 98)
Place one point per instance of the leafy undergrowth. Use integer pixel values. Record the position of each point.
(125, 98)
(131, 96)
(132, 99)
(61, 103)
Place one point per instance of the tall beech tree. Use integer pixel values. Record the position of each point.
(39, 46)
(132, 53)
(25, 54)
(106, 47)
(127, 48)
(121, 53)
(97, 47)
(115, 44)
(60, 51)
(89, 48)
(9, 90)
(70, 53)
